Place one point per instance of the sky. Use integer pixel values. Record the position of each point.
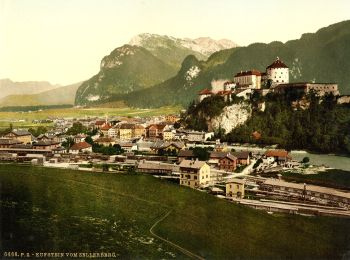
(63, 41)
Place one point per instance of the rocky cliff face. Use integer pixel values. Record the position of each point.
(126, 69)
(231, 117)
(174, 50)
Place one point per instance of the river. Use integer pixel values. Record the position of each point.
(332, 161)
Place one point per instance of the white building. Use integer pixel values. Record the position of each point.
(277, 72)
(248, 79)
(112, 132)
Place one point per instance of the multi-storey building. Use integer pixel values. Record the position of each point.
(194, 174)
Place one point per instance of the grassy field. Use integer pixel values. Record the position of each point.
(13, 117)
(63, 210)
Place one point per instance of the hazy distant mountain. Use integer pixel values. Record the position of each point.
(9, 87)
(59, 96)
(174, 50)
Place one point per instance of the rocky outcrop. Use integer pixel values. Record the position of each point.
(231, 117)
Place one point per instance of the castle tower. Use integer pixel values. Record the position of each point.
(277, 72)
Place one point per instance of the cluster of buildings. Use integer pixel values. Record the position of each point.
(148, 135)
(275, 79)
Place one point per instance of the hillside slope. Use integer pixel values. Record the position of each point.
(126, 69)
(9, 87)
(58, 96)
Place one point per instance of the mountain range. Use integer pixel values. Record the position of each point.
(147, 60)
(155, 70)
(323, 56)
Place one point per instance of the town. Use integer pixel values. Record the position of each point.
(160, 146)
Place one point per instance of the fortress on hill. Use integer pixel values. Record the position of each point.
(274, 79)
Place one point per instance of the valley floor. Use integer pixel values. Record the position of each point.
(25, 119)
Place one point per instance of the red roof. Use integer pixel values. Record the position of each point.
(205, 92)
(276, 153)
(81, 145)
(224, 92)
(277, 64)
(248, 73)
(100, 122)
(106, 127)
(228, 83)
(156, 126)
(256, 135)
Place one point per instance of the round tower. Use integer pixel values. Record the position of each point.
(278, 72)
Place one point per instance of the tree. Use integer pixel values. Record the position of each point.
(68, 143)
(89, 140)
(77, 128)
(306, 160)
(202, 153)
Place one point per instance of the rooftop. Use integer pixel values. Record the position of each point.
(81, 145)
(192, 164)
(277, 64)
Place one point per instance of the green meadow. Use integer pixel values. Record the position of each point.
(27, 117)
(52, 210)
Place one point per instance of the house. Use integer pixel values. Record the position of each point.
(155, 131)
(220, 147)
(105, 141)
(104, 129)
(101, 123)
(280, 156)
(235, 188)
(171, 119)
(139, 131)
(168, 135)
(172, 147)
(194, 174)
(214, 157)
(8, 142)
(126, 131)
(113, 132)
(248, 79)
(195, 136)
(46, 145)
(226, 94)
(79, 138)
(229, 85)
(61, 138)
(243, 93)
(243, 158)
(43, 137)
(320, 89)
(185, 155)
(128, 147)
(204, 94)
(59, 150)
(155, 168)
(21, 135)
(228, 163)
(82, 147)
